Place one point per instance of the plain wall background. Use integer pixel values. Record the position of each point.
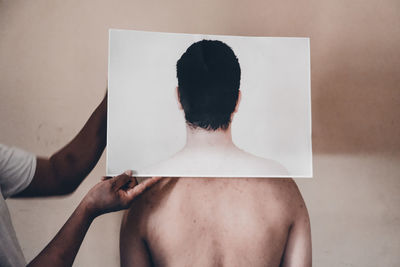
(145, 125)
(53, 72)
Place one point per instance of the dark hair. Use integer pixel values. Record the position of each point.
(208, 84)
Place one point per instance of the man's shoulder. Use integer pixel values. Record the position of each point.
(148, 202)
(285, 187)
(239, 163)
(172, 196)
(282, 192)
(261, 165)
(166, 167)
(290, 195)
(162, 168)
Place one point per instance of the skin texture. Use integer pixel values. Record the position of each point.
(217, 222)
(107, 196)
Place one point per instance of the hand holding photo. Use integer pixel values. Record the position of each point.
(208, 105)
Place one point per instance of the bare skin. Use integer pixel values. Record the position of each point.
(212, 154)
(217, 222)
(112, 194)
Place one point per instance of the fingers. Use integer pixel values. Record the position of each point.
(104, 178)
(140, 188)
(123, 180)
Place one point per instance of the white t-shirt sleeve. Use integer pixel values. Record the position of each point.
(17, 168)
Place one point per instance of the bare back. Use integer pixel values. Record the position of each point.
(217, 222)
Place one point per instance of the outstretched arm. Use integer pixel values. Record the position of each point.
(107, 196)
(63, 172)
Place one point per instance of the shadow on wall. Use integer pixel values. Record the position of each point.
(355, 84)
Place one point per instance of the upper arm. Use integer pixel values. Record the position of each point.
(44, 181)
(133, 249)
(298, 247)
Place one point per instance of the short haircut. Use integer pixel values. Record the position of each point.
(208, 84)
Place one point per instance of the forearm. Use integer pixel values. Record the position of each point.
(62, 250)
(74, 162)
(109, 195)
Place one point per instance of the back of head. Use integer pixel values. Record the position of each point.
(208, 84)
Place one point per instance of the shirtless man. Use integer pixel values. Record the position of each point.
(208, 93)
(215, 221)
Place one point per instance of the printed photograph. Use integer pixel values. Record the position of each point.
(192, 105)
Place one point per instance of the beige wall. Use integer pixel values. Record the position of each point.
(53, 72)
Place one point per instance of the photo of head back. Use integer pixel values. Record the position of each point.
(196, 134)
(208, 92)
(208, 84)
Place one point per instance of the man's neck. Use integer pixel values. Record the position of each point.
(199, 139)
